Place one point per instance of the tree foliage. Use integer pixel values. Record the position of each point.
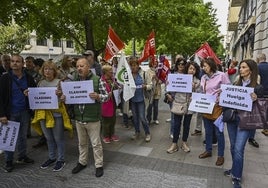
(180, 26)
(13, 38)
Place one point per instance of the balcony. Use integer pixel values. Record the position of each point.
(236, 3)
(233, 18)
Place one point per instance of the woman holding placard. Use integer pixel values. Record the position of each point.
(193, 69)
(248, 77)
(54, 132)
(210, 84)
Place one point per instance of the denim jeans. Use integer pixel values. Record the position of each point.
(252, 133)
(23, 118)
(152, 110)
(209, 125)
(55, 139)
(138, 112)
(177, 127)
(171, 120)
(238, 139)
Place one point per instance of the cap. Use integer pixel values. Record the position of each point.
(88, 52)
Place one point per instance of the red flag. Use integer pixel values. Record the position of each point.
(206, 51)
(149, 48)
(163, 69)
(113, 45)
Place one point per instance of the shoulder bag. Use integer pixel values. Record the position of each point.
(179, 108)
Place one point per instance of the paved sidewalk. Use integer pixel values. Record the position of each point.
(130, 163)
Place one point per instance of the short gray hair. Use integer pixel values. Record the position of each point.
(261, 57)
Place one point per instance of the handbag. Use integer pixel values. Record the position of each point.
(229, 114)
(257, 118)
(217, 110)
(179, 108)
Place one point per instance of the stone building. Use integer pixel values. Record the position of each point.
(247, 29)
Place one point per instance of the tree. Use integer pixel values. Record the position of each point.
(13, 38)
(180, 26)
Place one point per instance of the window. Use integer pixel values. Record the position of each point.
(69, 44)
(57, 43)
(41, 42)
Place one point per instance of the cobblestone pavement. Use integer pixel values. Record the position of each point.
(139, 164)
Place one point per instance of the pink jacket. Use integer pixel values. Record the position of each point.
(211, 85)
(108, 107)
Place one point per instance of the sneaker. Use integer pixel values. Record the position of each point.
(196, 133)
(168, 120)
(115, 138)
(120, 114)
(173, 148)
(147, 138)
(184, 147)
(253, 142)
(171, 136)
(9, 166)
(106, 140)
(135, 136)
(213, 144)
(227, 173)
(156, 122)
(47, 163)
(78, 168)
(25, 160)
(59, 166)
(99, 172)
(236, 183)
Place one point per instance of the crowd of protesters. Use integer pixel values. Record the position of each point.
(95, 123)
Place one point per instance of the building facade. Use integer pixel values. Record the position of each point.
(247, 29)
(48, 48)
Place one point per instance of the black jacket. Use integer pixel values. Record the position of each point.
(5, 93)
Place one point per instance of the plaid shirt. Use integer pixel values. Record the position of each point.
(103, 92)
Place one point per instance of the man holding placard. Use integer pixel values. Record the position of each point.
(14, 106)
(87, 116)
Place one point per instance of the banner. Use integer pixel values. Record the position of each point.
(125, 78)
(113, 45)
(206, 51)
(8, 135)
(149, 48)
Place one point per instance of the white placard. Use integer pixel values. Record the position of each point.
(8, 135)
(117, 97)
(180, 83)
(43, 98)
(78, 92)
(236, 97)
(203, 103)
